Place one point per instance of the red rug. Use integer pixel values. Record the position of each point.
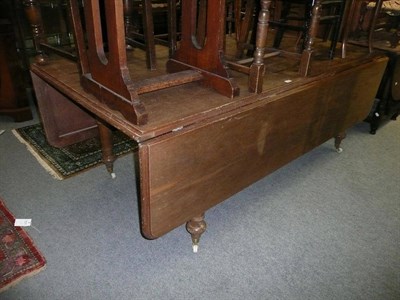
(19, 258)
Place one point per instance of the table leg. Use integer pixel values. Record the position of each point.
(106, 147)
(196, 227)
(338, 140)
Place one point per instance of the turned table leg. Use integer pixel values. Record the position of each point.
(338, 140)
(196, 227)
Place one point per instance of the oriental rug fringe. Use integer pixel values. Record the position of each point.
(65, 162)
(19, 257)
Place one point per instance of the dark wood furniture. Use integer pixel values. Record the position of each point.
(198, 147)
(371, 20)
(13, 76)
(332, 13)
(387, 101)
(150, 23)
(256, 19)
(47, 28)
(377, 27)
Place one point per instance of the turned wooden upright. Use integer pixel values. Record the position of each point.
(32, 12)
(257, 68)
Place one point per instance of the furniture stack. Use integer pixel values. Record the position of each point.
(206, 126)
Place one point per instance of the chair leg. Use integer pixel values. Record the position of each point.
(257, 68)
(286, 6)
(336, 31)
(311, 34)
(244, 26)
(347, 26)
(128, 22)
(308, 17)
(148, 28)
(378, 6)
(303, 30)
(172, 24)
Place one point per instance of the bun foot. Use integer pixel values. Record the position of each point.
(196, 227)
(338, 140)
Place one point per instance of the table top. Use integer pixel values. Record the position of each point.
(177, 107)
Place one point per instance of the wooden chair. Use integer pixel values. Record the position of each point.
(371, 16)
(296, 16)
(256, 69)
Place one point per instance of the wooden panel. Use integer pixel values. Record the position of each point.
(186, 172)
(64, 122)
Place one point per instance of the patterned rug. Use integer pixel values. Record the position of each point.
(19, 258)
(68, 161)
